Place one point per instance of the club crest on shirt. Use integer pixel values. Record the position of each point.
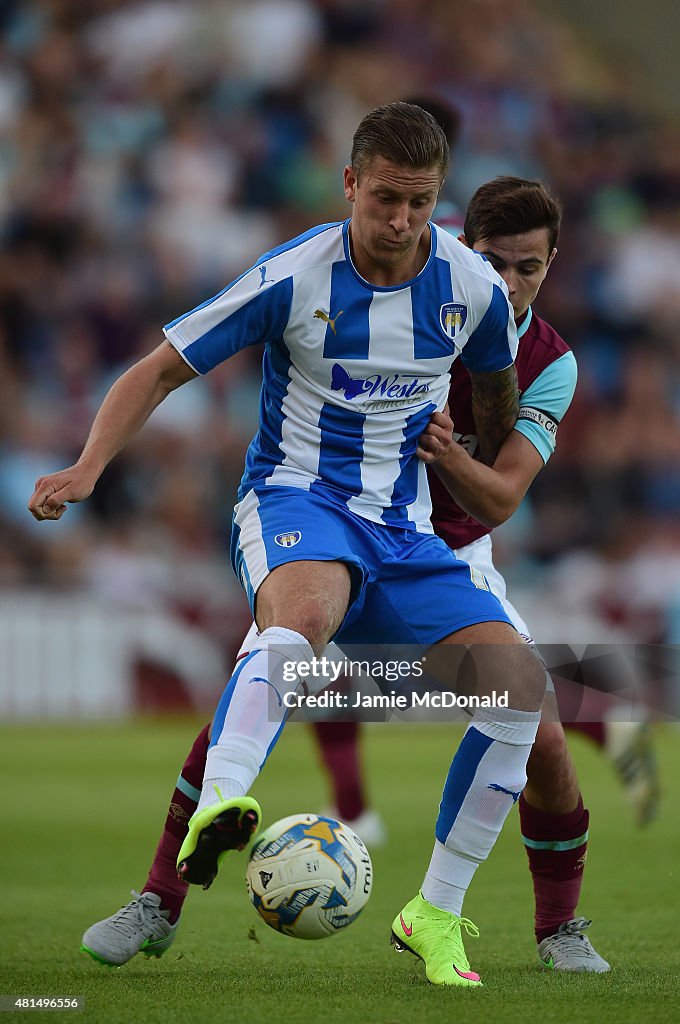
(288, 540)
(452, 317)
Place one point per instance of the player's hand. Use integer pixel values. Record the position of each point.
(52, 493)
(437, 438)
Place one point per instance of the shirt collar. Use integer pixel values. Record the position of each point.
(524, 326)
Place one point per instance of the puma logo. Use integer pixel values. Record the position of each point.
(263, 278)
(501, 789)
(330, 320)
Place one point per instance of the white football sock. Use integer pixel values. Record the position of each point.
(485, 780)
(252, 712)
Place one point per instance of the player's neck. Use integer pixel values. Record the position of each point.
(391, 276)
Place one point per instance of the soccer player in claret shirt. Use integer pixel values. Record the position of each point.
(332, 538)
(515, 224)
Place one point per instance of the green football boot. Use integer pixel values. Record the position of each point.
(213, 833)
(434, 936)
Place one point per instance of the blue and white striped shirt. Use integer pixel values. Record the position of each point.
(352, 372)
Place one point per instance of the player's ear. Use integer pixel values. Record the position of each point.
(350, 183)
(551, 257)
(463, 239)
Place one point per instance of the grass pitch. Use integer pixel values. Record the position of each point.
(81, 817)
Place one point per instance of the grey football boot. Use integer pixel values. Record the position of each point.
(570, 950)
(139, 927)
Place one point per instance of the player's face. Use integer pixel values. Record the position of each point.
(392, 205)
(521, 260)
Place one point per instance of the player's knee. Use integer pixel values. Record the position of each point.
(526, 677)
(312, 621)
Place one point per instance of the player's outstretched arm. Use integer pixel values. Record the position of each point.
(489, 494)
(495, 405)
(126, 408)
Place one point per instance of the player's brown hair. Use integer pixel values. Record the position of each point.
(512, 206)
(402, 133)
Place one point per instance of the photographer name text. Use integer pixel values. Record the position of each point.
(431, 699)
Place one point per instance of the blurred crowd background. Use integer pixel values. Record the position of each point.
(150, 150)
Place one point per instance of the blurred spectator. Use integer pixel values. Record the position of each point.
(150, 150)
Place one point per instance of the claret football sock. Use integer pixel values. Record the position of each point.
(556, 845)
(163, 878)
(339, 745)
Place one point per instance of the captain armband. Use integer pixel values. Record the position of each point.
(536, 416)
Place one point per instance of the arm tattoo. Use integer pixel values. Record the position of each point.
(495, 404)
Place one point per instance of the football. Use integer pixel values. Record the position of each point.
(309, 876)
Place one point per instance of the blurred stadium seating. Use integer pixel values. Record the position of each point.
(151, 149)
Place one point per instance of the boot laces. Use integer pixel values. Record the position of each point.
(135, 915)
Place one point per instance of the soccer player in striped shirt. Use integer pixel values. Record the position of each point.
(331, 536)
(515, 223)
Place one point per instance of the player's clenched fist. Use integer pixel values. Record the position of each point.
(437, 438)
(51, 494)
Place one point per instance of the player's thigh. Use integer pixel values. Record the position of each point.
(301, 559)
(308, 596)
